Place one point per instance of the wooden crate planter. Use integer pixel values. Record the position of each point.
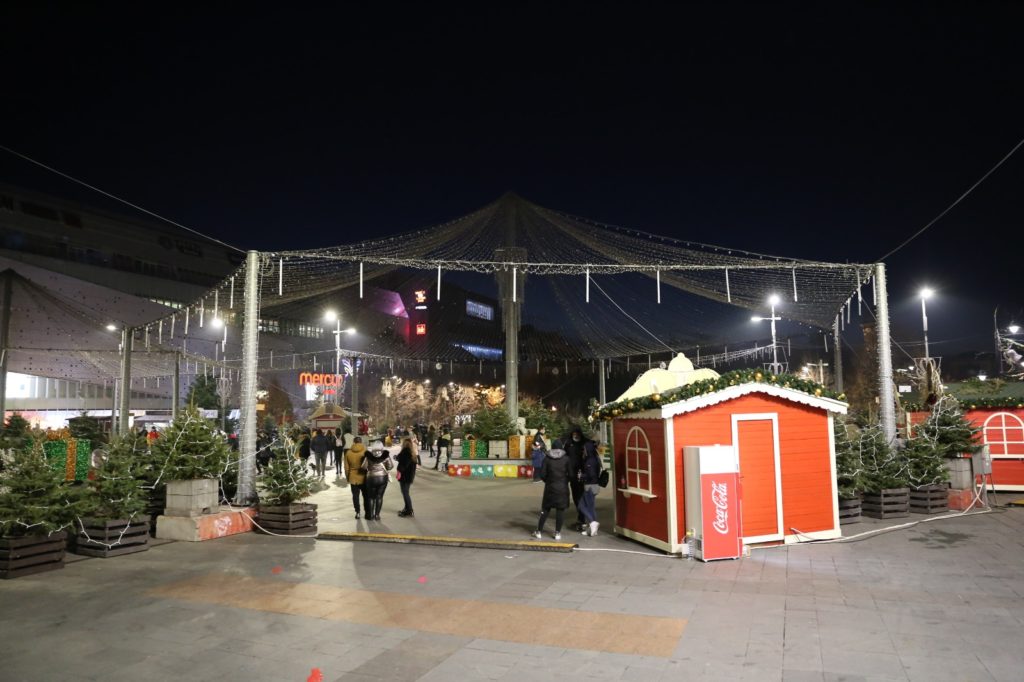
(106, 538)
(890, 503)
(849, 511)
(929, 499)
(292, 519)
(31, 554)
(192, 498)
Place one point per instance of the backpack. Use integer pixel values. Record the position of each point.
(602, 478)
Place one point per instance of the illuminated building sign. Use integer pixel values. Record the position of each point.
(474, 309)
(421, 330)
(421, 295)
(320, 379)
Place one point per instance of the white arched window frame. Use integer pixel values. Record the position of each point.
(638, 462)
(1004, 434)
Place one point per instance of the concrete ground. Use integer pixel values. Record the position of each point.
(939, 601)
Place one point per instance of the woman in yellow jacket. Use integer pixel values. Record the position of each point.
(355, 474)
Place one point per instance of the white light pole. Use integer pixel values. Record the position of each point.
(926, 293)
(773, 301)
(332, 316)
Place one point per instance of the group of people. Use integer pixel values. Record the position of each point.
(569, 467)
(427, 438)
(367, 473)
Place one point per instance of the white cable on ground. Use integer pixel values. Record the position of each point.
(623, 551)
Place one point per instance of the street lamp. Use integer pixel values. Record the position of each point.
(925, 294)
(332, 316)
(773, 301)
(1013, 329)
(111, 327)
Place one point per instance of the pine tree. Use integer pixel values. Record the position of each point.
(948, 431)
(883, 467)
(849, 465)
(285, 481)
(190, 449)
(925, 464)
(84, 427)
(34, 499)
(116, 492)
(16, 434)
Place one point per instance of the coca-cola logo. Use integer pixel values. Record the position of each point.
(720, 498)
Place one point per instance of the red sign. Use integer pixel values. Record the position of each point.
(421, 330)
(321, 379)
(721, 511)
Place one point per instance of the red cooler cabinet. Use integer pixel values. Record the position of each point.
(712, 501)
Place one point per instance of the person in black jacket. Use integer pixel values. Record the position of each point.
(574, 446)
(556, 472)
(590, 475)
(377, 463)
(406, 474)
(319, 445)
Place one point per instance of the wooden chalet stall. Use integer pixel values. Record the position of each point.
(784, 444)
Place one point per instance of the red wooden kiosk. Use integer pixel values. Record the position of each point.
(786, 453)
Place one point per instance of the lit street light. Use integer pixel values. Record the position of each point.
(332, 316)
(926, 293)
(773, 301)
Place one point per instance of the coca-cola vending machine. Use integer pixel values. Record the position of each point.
(712, 502)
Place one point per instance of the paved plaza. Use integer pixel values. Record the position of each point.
(940, 601)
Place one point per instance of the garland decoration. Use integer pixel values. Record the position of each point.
(705, 386)
(1002, 403)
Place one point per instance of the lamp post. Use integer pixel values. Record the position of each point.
(926, 293)
(332, 316)
(773, 301)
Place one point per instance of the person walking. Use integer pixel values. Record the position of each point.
(590, 475)
(431, 436)
(556, 472)
(574, 445)
(304, 448)
(407, 463)
(376, 463)
(319, 445)
(353, 463)
(539, 452)
(444, 445)
(344, 445)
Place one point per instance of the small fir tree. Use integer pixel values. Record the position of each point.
(849, 465)
(883, 468)
(286, 480)
(84, 427)
(190, 449)
(491, 423)
(116, 492)
(16, 434)
(34, 499)
(925, 463)
(947, 430)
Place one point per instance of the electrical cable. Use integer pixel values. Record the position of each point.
(117, 198)
(953, 205)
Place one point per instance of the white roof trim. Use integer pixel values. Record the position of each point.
(707, 399)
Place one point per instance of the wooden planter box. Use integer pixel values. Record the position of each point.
(849, 511)
(31, 554)
(891, 503)
(192, 498)
(929, 499)
(107, 538)
(292, 519)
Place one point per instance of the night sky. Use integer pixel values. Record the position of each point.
(817, 130)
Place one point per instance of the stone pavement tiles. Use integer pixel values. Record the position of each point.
(940, 601)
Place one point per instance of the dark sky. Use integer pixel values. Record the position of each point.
(819, 130)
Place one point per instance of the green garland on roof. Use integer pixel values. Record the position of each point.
(734, 378)
(1005, 402)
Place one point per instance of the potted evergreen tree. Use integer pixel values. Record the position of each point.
(34, 511)
(939, 443)
(112, 519)
(286, 480)
(192, 457)
(886, 494)
(849, 472)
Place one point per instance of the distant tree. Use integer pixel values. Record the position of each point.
(203, 393)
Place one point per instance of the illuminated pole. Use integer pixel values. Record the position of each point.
(250, 349)
(773, 300)
(838, 350)
(925, 295)
(886, 399)
(5, 335)
(127, 340)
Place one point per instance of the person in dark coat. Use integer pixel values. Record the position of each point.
(377, 463)
(320, 445)
(304, 449)
(538, 453)
(590, 475)
(574, 445)
(406, 473)
(556, 472)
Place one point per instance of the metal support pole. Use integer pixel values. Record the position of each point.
(5, 338)
(250, 349)
(838, 350)
(602, 398)
(127, 341)
(998, 369)
(887, 405)
(511, 318)
(176, 386)
(776, 367)
(113, 408)
(924, 323)
(355, 394)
